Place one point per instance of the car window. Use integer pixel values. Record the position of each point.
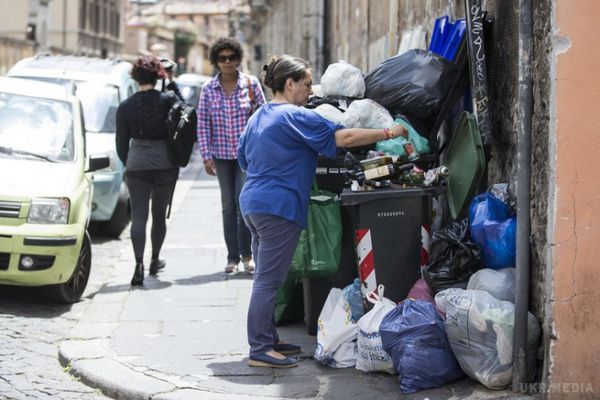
(190, 93)
(35, 127)
(100, 103)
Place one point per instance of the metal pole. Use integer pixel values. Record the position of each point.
(525, 96)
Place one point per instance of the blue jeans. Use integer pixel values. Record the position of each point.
(274, 241)
(237, 236)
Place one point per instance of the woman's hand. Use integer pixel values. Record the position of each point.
(209, 166)
(398, 130)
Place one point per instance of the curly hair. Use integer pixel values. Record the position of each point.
(279, 68)
(147, 70)
(225, 44)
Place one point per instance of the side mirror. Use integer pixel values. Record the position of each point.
(98, 161)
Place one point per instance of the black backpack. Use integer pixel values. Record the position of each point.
(182, 123)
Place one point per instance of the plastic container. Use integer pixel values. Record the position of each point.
(388, 225)
(391, 225)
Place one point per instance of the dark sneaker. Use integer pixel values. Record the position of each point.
(157, 265)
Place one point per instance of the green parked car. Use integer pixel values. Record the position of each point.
(45, 189)
(100, 85)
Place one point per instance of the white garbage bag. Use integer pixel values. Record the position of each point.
(500, 283)
(318, 91)
(371, 356)
(343, 79)
(336, 333)
(480, 329)
(366, 113)
(329, 112)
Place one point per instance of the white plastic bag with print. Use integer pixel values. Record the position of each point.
(480, 329)
(371, 356)
(343, 79)
(366, 113)
(336, 333)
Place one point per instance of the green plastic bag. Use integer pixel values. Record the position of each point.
(289, 304)
(394, 146)
(320, 245)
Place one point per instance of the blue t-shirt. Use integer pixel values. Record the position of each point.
(279, 150)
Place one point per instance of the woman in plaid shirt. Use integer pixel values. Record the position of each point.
(226, 103)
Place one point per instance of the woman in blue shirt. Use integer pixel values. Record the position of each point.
(279, 150)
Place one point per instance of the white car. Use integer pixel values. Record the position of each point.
(101, 85)
(190, 86)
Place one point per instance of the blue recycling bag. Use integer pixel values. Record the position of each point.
(353, 296)
(413, 335)
(494, 229)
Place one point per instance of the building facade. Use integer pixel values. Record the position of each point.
(82, 27)
(87, 27)
(194, 26)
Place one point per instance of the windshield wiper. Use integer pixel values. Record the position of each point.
(9, 150)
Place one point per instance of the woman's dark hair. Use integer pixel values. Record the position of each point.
(225, 44)
(147, 70)
(277, 71)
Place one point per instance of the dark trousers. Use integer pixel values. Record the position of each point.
(274, 241)
(237, 236)
(158, 185)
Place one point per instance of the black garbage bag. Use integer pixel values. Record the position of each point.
(414, 83)
(339, 102)
(453, 258)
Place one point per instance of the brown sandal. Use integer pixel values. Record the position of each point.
(249, 265)
(231, 268)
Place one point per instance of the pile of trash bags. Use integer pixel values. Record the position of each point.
(346, 97)
(457, 320)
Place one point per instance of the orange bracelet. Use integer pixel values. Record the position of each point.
(388, 133)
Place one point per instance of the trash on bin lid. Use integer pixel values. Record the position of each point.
(466, 162)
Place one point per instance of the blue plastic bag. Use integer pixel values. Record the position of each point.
(413, 334)
(353, 296)
(494, 229)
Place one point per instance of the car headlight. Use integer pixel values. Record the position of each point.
(49, 211)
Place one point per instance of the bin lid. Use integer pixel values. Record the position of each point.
(465, 158)
(350, 198)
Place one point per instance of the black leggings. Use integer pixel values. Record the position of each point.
(157, 184)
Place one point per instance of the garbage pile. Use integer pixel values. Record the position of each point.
(414, 93)
(457, 320)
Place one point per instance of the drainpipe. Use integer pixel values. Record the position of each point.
(525, 96)
(64, 23)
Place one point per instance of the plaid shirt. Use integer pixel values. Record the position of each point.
(222, 119)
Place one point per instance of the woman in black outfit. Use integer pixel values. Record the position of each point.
(142, 147)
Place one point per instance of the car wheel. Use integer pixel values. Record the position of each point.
(120, 218)
(71, 291)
